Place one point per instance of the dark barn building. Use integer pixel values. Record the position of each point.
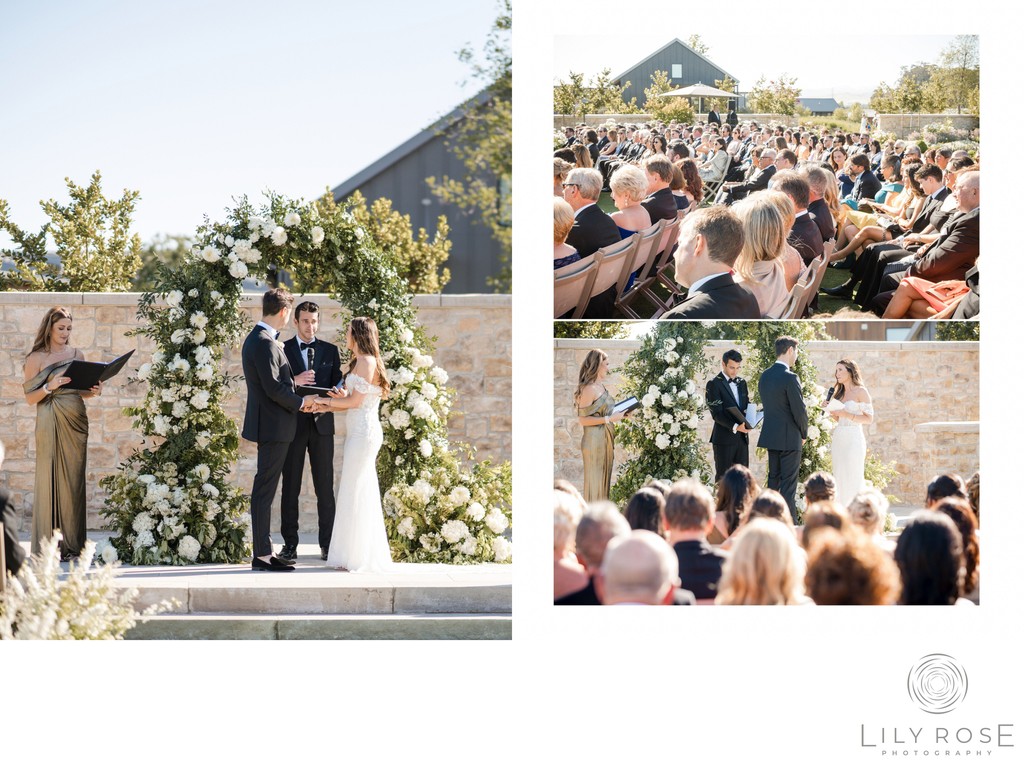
(820, 107)
(682, 63)
(400, 175)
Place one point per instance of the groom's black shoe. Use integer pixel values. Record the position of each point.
(323, 554)
(274, 565)
(288, 554)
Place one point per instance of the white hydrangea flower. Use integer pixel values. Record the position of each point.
(674, 429)
(422, 490)
(292, 219)
(202, 471)
(147, 478)
(813, 433)
(430, 543)
(143, 522)
(179, 410)
(188, 548)
(399, 419)
(693, 422)
(426, 449)
(648, 400)
(502, 549)
(229, 240)
(429, 390)
(198, 319)
(316, 236)
(179, 335)
(496, 521)
(662, 441)
(407, 527)
(406, 335)
(200, 400)
(459, 496)
(204, 372)
(454, 530)
(468, 546)
(144, 540)
(666, 417)
(109, 554)
(423, 410)
(279, 236)
(439, 375)
(666, 400)
(145, 371)
(690, 387)
(476, 512)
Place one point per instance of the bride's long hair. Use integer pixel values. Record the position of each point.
(854, 370)
(367, 342)
(588, 371)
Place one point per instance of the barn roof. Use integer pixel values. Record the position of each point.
(627, 70)
(819, 104)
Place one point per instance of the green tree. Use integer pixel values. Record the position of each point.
(600, 95)
(570, 97)
(722, 104)
(28, 267)
(97, 252)
(774, 96)
(163, 251)
(482, 141)
(961, 72)
(670, 109)
(695, 42)
(591, 329)
(957, 331)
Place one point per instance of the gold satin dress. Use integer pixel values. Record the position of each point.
(598, 447)
(62, 432)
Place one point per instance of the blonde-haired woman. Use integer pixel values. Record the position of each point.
(594, 407)
(62, 433)
(764, 263)
(359, 542)
(629, 188)
(564, 219)
(765, 567)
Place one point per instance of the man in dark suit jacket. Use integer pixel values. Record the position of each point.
(270, 409)
(314, 433)
(660, 202)
(804, 235)
(689, 515)
(758, 181)
(866, 185)
(710, 240)
(784, 428)
(970, 305)
(713, 117)
(724, 394)
(592, 229)
(14, 554)
(600, 523)
(817, 178)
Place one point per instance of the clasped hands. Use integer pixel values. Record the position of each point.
(317, 404)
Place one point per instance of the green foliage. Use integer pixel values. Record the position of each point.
(957, 331)
(30, 269)
(695, 42)
(164, 250)
(591, 329)
(952, 83)
(776, 96)
(598, 96)
(482, 141)
(670, 109)
(878, 474)
(667, 374)
(97, 252)
(722, 104)
(960, 76)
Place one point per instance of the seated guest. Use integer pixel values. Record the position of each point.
(592, 228)
(804, 234)
(610, 142)
(768, 265)
(677, 151)
(689, 515)
(660, 203)
(570, 137)
(847, 570)
(570, 576)
(770, 505)
(974, 494)
(643, 511)
(715, 167)
(866, 184)
(638, 568)
(784, 160)
(562, 169)
(693, 186)
(592, 147)
(942, 486)
(581, 156)
(819, 486)
(765, 567)
(736, 492)
(817, 181)
(566, 155)
(13, 552)
(564, 254)
(601, 522)
(960, 512)
(678, 187)
(917, 298)
(868, 511)
(824, 513)
(758, 181)
(629, 188)
(970, 305)
(930, 556)
(709, 242)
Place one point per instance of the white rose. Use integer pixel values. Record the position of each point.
(229, 240)
(423, 410)
(179, 410)
(813, 433)
(439, 375)
(666, 400)
(160, 425)
(200, 400)
(429, 390)
(199, 336)
(399, 419)
(202, 471)
(210, 254)
(674, 429)
(279, 236)
(648, 400)
(203, 355)
(198, 319)
(179, 335)
(502, 549)
(174, 297)
(690, 387)
(496, 521)
(693, 422)
(292, 219)
(671, 357)
(407, 527)
(425, 448)
(238, 270)
(109, 554)
(145, 371)
(406, 336)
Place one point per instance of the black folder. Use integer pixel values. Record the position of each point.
(85, 375)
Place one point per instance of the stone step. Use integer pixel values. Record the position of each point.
(237, 626)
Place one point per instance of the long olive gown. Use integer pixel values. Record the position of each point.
(598, 446)
(62, 432)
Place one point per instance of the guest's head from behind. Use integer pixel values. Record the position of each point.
(974, 494)
(820, 485)
(868, 510)
(629, 186)
(644, 510)
(639, 567)
(677, 150)
(737, 490)
(710, 240)
(766, 225)
(600, 522)
(277, 306)
(581, 156)
(566, 155)
(848, 570)
(786, 349)
(54, 331)
(959, 511)
(692, 181)
(561, 168)
(794, 186)
(765, 566)
(817, 181)
(593, 370)
(658, 170)
(930, 556)
(568, 512)
(945, 485)
(582, 187)
(363, 339)
(689, 510)
(307, 320)
(564, 220)
(821, 515)
(567, 486)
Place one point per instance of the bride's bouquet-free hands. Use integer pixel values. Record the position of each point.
(835, 408)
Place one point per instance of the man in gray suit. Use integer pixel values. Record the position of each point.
(784, 429)
(270, 410)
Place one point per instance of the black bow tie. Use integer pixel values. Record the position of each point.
(304, 346)
(733, 380)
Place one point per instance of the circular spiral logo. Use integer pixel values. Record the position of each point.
(937, 683)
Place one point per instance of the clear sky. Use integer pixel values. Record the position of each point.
(848, 67)
(194, 102)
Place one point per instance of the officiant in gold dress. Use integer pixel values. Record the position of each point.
(594, 408)
(62, 432)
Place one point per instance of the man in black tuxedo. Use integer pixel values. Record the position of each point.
(689, 515)
(784, 428)
(660, 202)
(817, 179)
(714, 118)
(592, 229)
(14, 554)
(313, 362)
(733, 191)
(724, 394)
(570, 137)
(866, 185)
(710, 240)
(270, 409)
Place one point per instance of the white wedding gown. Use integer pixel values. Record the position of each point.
(359, 542)
(848, 452)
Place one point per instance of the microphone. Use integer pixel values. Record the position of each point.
(309, 358)
(828, 396)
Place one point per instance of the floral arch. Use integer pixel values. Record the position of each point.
(171, 502)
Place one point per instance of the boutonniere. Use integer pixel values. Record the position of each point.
(279, 344)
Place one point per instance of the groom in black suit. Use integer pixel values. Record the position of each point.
(313, 362)
(784, 429)
(724, 393)
(270, 409)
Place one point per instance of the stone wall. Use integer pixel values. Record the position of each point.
(925, 396)
(905, 124)
(474, 344)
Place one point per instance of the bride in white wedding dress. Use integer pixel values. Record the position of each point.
(359, 542)
(851, 408)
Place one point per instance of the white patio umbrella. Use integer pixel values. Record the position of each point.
(701, 91)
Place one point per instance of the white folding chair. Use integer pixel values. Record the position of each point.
(612, 261)
(572, 286)
(796, 300)
(647, 252)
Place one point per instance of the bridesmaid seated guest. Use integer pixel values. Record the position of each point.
(564, 254)
(62, 433)
(847, 570)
